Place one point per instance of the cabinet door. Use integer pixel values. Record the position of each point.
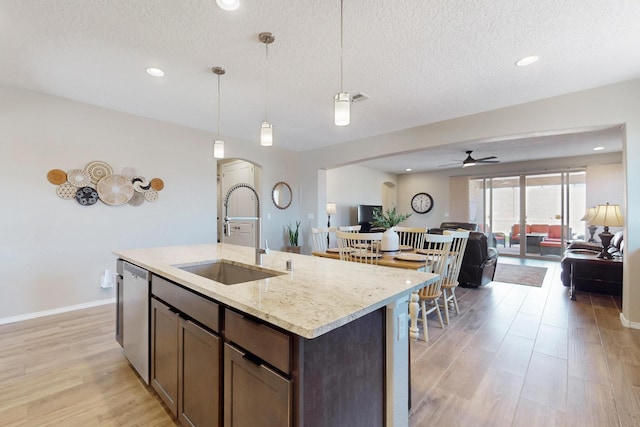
(199, 376)
(164, 354)
(254, 395)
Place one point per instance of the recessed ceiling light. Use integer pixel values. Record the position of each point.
(155, 72)
(598, 149)
(228, 4)
(527, 60)
(408, 170)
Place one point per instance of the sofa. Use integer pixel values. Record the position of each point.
(593, 274)
(551, 245)
(479, 261)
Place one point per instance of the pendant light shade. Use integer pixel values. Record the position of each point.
(228, 4)
(266, 134)
(218, 144)
(342, 100)
(218, 149)
(266, 128)
(342, 105)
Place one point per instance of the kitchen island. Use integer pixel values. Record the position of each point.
(343, 327)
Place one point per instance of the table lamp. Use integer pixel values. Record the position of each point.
(607, 216)
(588, 216)
(331, 210)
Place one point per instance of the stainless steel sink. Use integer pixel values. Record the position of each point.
(227, 272)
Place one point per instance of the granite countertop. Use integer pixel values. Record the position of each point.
(319, 295)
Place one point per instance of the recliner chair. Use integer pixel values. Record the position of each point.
(480, 260)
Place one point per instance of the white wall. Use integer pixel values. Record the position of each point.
(53, 251)
(605, 184)
(435, 184)
(350, 186)
(605, 106)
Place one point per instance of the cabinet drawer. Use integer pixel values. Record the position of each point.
(195, 306)
(268, 344)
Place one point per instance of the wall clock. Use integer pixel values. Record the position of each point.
(422, 203)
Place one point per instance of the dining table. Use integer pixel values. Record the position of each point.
(394, 259)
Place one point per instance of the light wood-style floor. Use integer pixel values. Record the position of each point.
(515, 356)
(526, 356)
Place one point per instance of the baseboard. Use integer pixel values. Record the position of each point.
(627, 323)
(44, 313)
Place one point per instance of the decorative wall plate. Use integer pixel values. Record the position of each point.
(157, 184)
(78, 177)
(129, 172)
(151, 195)
(136, 199)
(115, 190)
(140, 184)
(87, 196)
(98, 170)
(66, 191)
(57, 176)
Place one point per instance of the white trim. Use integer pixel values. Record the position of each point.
(628, 323)
(44, 313)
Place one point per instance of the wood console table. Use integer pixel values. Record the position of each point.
(587, 266)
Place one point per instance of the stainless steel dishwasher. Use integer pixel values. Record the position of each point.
(135, 318)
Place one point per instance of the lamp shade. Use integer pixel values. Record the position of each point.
(342, 109)
(218, 149)
(607, 216)
(266, 134)
(331, 208)
(589, 214)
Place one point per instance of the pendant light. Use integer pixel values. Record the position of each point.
(266, 129)
(342, 100)
(218, 144)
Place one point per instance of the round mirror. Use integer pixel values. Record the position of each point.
(282, 195)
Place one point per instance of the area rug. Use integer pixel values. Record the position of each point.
(520, 274)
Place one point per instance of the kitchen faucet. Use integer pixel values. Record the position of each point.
(259, 251)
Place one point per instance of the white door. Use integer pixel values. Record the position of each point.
(241, 203)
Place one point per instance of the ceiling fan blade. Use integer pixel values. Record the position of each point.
(449, 164)
(486, 158)
(487, 161)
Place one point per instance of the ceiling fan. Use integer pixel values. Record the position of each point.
(470, 161)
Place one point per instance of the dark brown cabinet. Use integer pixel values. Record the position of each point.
(198, 376)
(185, 357)
(254, 394)
(262, 375)
(164, 353)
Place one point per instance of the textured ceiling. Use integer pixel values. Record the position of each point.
(420, 61)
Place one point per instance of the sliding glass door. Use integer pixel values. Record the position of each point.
(529, 215)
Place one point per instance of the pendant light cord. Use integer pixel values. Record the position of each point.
(266, 90)
(218, 106)
(341, 46)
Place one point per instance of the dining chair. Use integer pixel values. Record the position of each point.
(350, 228)
(437, 249)
(319, 238)
(359, 247)
(411, 236)
(450, 283)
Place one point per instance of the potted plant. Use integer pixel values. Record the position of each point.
(293, 235)
(389, 219)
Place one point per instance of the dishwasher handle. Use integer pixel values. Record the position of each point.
(136, 271)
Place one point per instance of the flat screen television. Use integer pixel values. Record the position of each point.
(365, 215)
